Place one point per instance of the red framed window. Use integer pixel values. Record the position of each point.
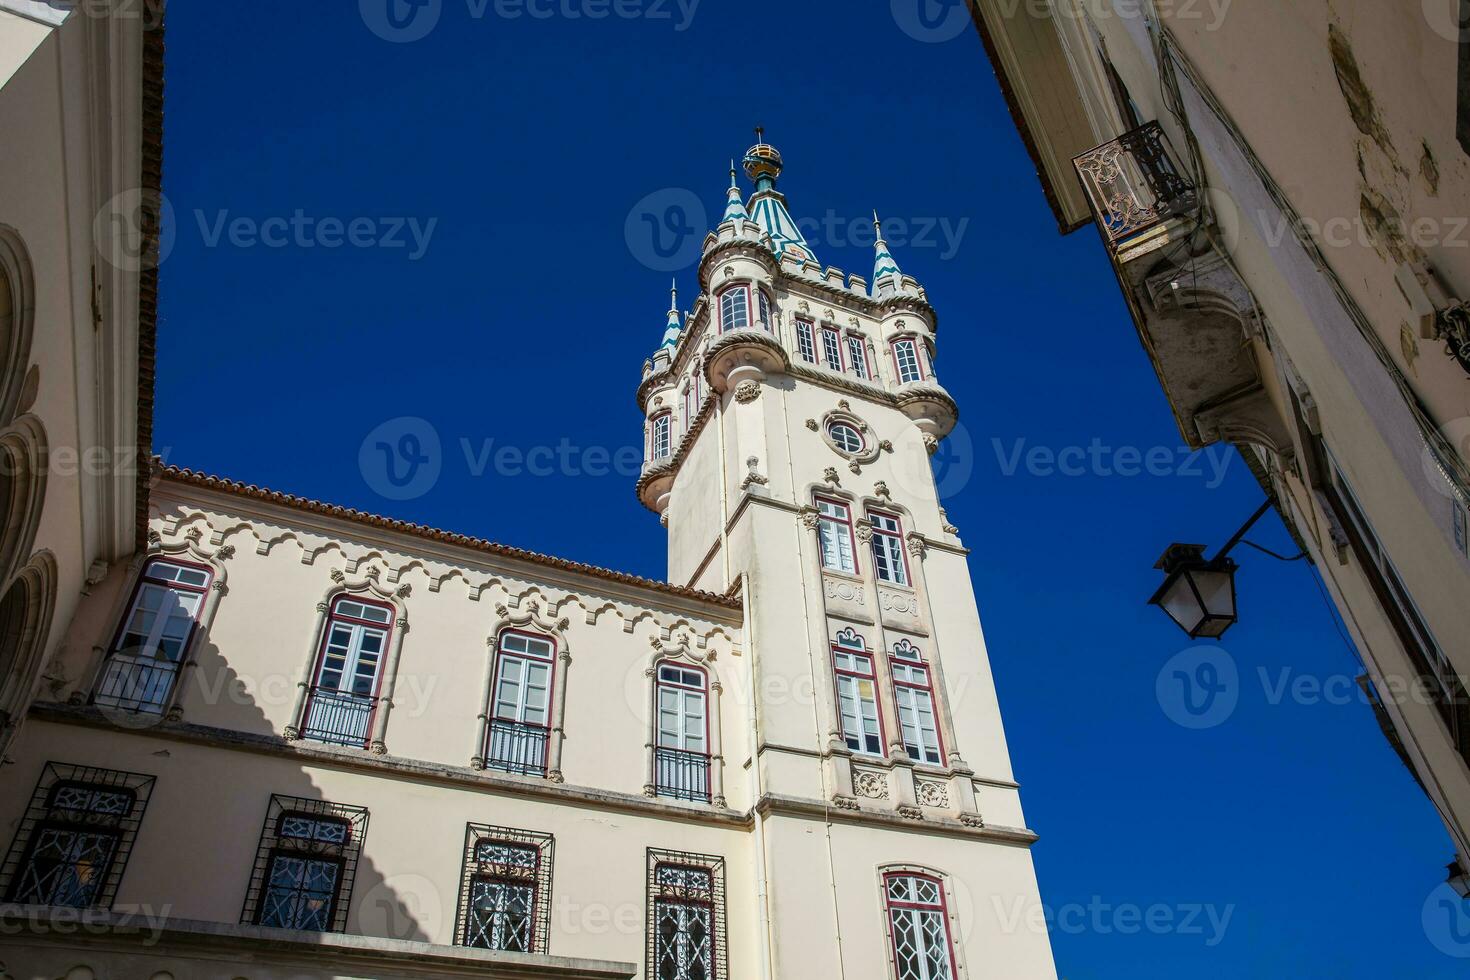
(857, 693)
(832, 349)
(906, 360)
(857, 355)
(889, 560)
(763, 310)
(520, 703)
(735, 308)
(503, 896)
(682, 751)
(806, 345)
(918, 927)
(684, 923)
(835, 536)
(303, 881)
(914, 692)
(149, 648)
(349, 665)
(661, 436)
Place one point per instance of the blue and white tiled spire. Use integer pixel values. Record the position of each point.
(768, 206)
(673, 329)
(735, 209)
(886, 274)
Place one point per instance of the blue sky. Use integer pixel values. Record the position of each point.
(488, 273)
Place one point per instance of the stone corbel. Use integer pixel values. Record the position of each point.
(1246, 416)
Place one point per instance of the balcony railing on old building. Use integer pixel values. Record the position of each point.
(141, 684)
(681, 775)
(1134, 185)
(338, 717)
(516, 747)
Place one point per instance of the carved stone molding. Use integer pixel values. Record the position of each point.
(918, 547)
(830, 475)
(932, 792)
(870, 784)
(809, 517)
(910, 812)
(747, 392)
(844, 802)
(754, 476)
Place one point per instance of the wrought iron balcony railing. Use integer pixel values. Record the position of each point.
(138, 683)
(516, 747)
(338, 717)
(1134, 184)
(682, 775)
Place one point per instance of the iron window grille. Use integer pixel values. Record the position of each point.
(918, 927)
(1134, 184)
(305, 865)
(505, 890)
(153, 639)
(73, 842)
(686, 916)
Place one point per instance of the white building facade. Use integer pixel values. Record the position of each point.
(1282, 191)
(287, 739)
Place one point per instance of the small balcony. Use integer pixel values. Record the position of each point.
(141, 684)
(337, 717)
(1136, 189)
(681, 775)
(516, 747)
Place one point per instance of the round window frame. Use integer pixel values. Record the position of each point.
(871, 446)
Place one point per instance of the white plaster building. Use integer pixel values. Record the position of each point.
(286, 739)
(1284, 192)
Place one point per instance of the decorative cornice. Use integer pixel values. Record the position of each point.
(189, 478)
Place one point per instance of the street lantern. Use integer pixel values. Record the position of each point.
(1198, 593)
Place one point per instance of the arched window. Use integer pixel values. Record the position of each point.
(914, 693)
(918, 927)
(682, 752)
(735, 308)
(906, 360)
(660, 436)
(857, 694)
(763, 307)
(150, 646)
(349, 669)
(520, 704)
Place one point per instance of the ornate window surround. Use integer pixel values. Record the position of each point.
(348, 854)
(545, 845)
(872, 445)
(54, 774)
(190, 549)
(680, 652)
(388, 595)
(530, 620)
(948, 902)
(714, 865)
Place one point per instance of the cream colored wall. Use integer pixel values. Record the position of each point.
(194, 852)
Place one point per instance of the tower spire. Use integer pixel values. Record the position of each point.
(673, 329)
(735, 206)
(886, 274)
(763, 165)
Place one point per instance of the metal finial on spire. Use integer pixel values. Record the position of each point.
(760, 134)
(877, 225)
(674, 296)
(886, 274)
